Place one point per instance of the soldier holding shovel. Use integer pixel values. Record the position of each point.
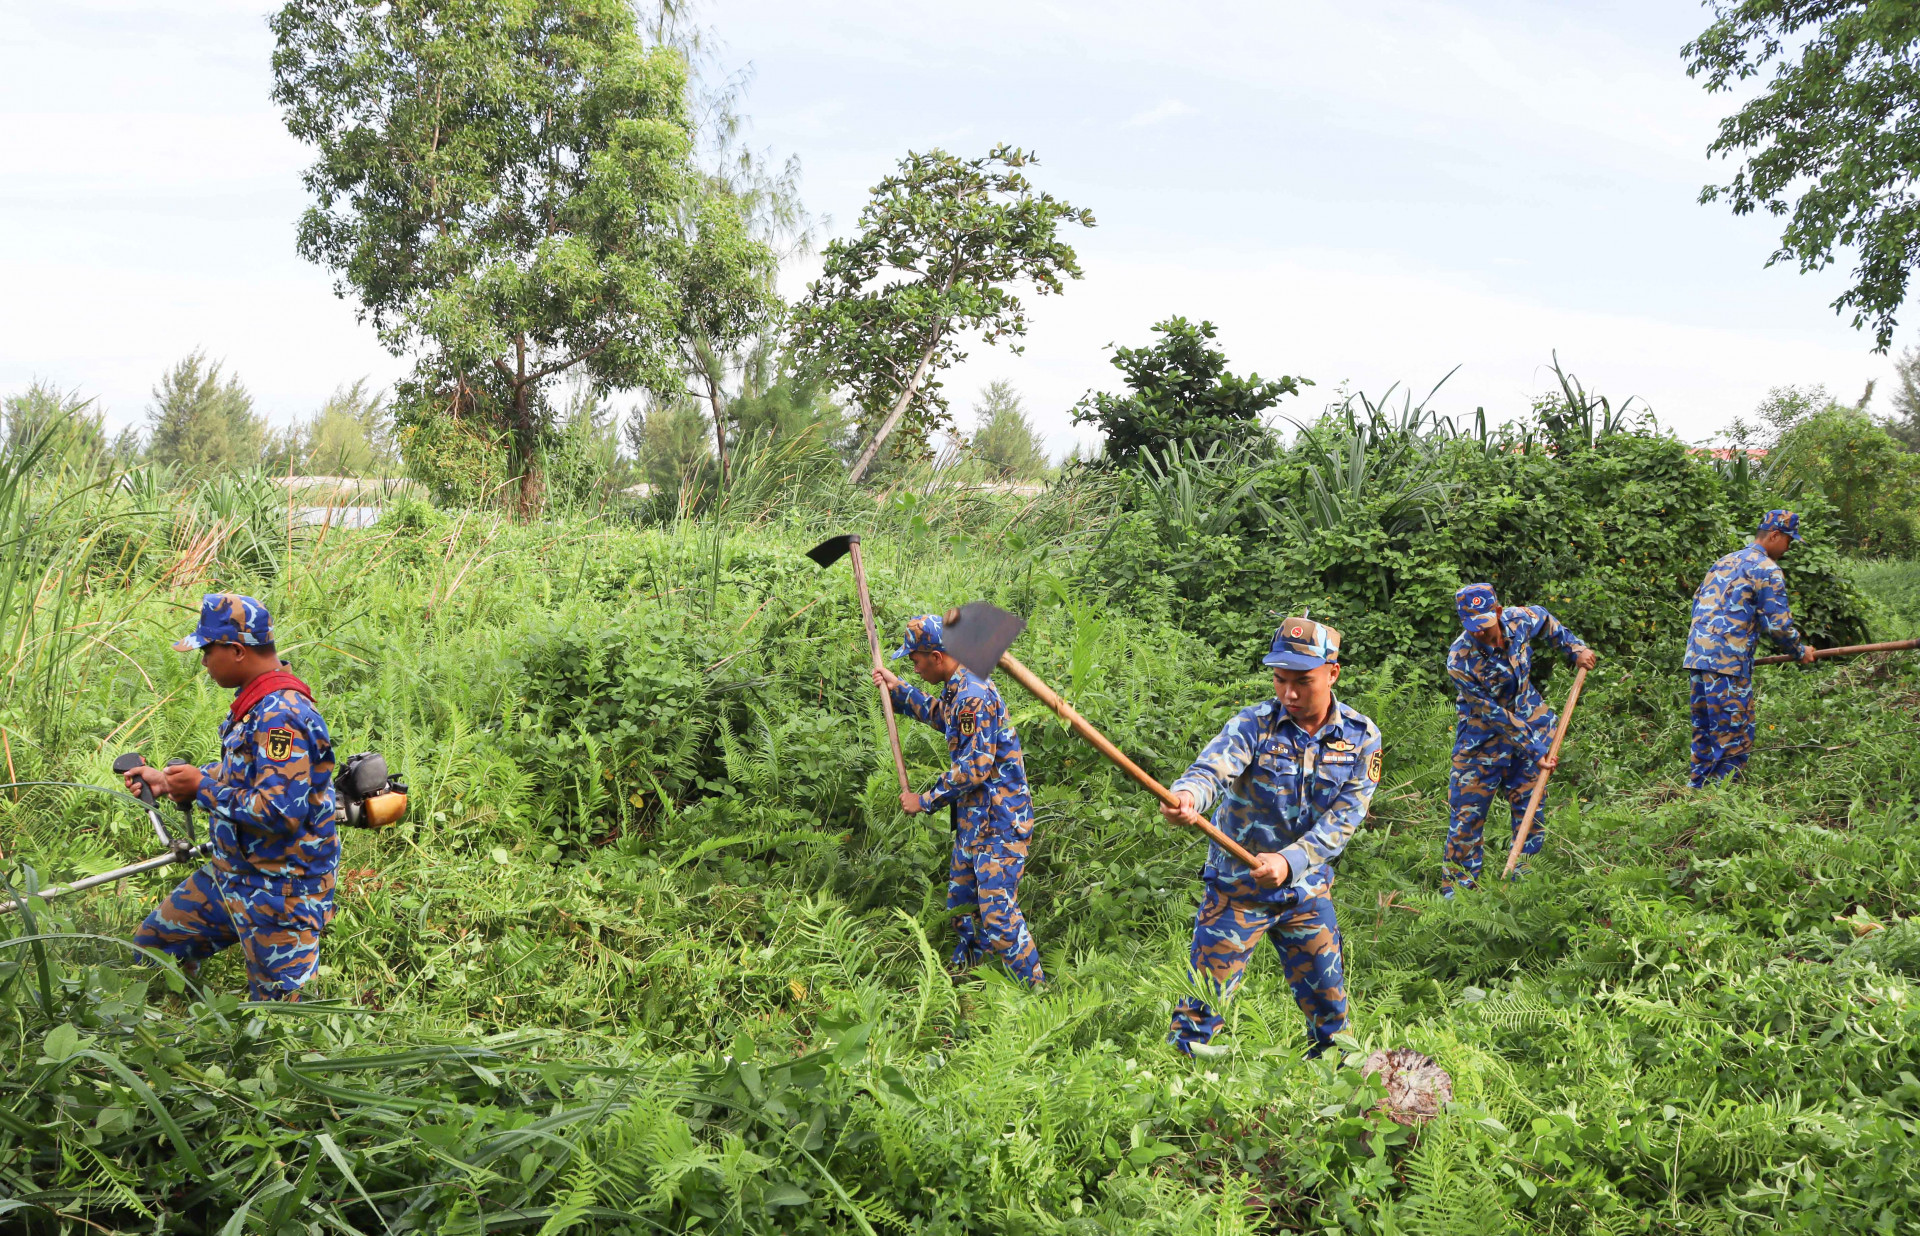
(1293, 776)
(1503, 728)
(1743, 595)
(986, 788)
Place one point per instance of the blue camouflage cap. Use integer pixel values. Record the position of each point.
(1478, 608)
(1779, 521)
(1303, 644)
(229, 618)
(923, 635)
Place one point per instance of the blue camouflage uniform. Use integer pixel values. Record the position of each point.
(1280, 790)
(1743, 594)
(986, 788)
(1502, 728)
(271, 805)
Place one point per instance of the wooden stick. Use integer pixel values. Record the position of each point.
(1046, 695)
(873, 646)
(1898, 645)
(1540, 784)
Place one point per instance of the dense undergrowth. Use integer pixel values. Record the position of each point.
(655, 952)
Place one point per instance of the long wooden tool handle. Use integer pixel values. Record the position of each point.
(873, 646)
(1046, 695)
(1898, 645)
(1540, 783)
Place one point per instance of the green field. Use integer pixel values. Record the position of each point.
(655, 950)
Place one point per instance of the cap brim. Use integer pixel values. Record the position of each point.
(1478, 622)
(191, 643)
(1293, 661)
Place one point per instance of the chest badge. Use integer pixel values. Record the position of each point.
(1341, 746)
(279, 743)
(969, 718)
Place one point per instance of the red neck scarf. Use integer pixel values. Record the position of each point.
(263, 686)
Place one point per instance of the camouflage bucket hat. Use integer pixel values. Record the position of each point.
(1779, 521)
(923, 635)
(229, 618)
(1478, 609)
(1303, 644)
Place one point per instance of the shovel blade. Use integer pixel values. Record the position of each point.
(978, 634)
(831, 550)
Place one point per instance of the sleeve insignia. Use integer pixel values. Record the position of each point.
(969, 717)
(1374, 763)
(279, 743)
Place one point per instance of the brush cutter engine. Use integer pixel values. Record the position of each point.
(369, 796)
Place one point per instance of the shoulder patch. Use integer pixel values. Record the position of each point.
(279, 742)
(1374, 763)
(969, 716)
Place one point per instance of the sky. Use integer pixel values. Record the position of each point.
(1360, 195)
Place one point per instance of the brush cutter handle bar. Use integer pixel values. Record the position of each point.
(873, 646)
(1898, 645)
(193, 854)
(1540, 782)
(1046, 695)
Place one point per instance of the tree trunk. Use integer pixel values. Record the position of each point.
(880, 436)
(719, 424)
(526, 438)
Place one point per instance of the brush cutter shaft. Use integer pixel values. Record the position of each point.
(1540, 783)
(1898, 645)
(1046, 695)
(873, 646)
(118, 873)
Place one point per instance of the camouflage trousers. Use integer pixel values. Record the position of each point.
(1227, 929)
(983, 885)
(1722, 707)
(277, 924)
(1477, 779)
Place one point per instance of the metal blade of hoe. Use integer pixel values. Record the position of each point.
(831, 550)
(978, 634)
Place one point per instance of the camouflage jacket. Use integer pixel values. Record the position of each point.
(270, 797)
(1743, 594)
(987, 783)
(1497, 707)
(1283, 789)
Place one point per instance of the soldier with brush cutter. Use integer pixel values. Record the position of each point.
(1743, 595)
(1293, 777)
(986, 787)
(271, 801)
(1503, 727)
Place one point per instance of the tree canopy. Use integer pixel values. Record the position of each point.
(940, 243)
(501, 185)
(199, 420)
(1830, 144)
(1180, 391)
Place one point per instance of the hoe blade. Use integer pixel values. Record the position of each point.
(831, 550)
(978, 634)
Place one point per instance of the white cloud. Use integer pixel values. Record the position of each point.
(1165, 111)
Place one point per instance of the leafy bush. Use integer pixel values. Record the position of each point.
(1180, 392)
(1372, 525)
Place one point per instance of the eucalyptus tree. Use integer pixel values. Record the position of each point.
(503, 186)
(941, 244)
